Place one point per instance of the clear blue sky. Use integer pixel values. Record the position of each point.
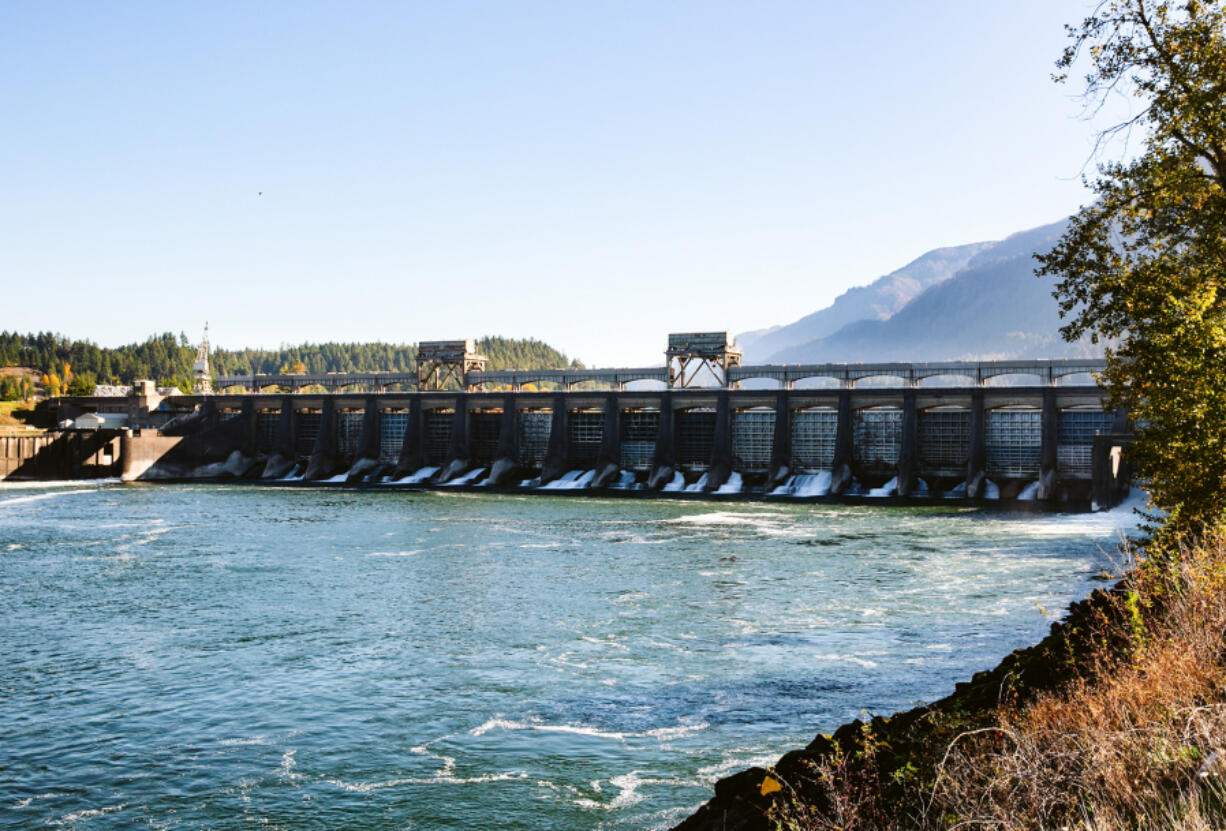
(592, 174)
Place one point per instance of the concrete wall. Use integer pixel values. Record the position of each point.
(75, 454)
(142, 451)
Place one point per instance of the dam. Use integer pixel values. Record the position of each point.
(702, 424)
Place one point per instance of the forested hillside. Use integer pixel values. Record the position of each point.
(168, 359)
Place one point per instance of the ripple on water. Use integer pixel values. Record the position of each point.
(192, 654)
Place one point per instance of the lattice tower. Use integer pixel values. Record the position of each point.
(200, 369)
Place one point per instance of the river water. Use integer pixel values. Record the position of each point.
(201, 656)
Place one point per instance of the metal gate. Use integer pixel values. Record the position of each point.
(753, 434)
(814, 433)
(695, 438)
(878, 438)
(483, 429)
(944, 439)
(437, 435)
(638, 445)
(348, 433)
(534, 430)
(1014, 442)
(585, 431)
(266, 431)
(1075, 442)
(306, 430)
(391, 436)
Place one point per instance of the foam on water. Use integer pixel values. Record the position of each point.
(696, 487)
(735, 484)
(712, 518)
(466, 478)
(677, 483)
(572, 480)
(627, 785)
(888, 489)
(1028, 494)
(58, 483)
(417, 477)
(805, 484)
(39, 497)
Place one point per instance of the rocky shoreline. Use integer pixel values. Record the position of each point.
(896, 755)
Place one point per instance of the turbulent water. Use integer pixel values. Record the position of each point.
(225, 657)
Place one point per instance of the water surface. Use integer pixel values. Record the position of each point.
(203, 656)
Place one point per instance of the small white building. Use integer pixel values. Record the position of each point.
(100, 421)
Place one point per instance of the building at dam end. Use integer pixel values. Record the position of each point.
(702, 423)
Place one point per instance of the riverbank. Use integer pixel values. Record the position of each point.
(1114, 720)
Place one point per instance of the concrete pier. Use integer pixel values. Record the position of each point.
(608, 462)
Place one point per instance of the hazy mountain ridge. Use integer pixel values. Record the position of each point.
(877, 301)
(994, 308)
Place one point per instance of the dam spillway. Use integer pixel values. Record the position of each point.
(1050, 441)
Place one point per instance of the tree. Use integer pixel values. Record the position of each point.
(1144, 266)
(82, 384)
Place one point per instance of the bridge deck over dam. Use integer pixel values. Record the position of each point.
(1050, 441)
(786, 376)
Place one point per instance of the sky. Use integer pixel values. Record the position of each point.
(595, 175)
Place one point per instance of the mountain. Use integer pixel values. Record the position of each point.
(994, 308)
(876, 301)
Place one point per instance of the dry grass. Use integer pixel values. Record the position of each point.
(1127, 741)
(15, 416)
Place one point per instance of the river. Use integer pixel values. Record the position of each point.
(229, 656)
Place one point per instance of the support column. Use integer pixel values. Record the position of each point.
(1111, 472)
(366, 459)
(609, 460)
(322, 463)
(664, 460)
(1050, 427)
(720, 467)
(210, 418)
(249, 423)
(844, 446)
(506, 456)
(781, 443)
(557, 457)
(977, 457)
(457, 453)
(412, 448)
(282, 461)
(908, 455)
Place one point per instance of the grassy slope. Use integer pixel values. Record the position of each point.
(14, 415)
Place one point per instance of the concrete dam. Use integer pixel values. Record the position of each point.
(910, 430)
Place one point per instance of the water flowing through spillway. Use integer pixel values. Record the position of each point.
(222, 656)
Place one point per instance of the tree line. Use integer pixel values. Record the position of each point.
(168, 359)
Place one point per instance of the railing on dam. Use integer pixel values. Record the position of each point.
(786, 376)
